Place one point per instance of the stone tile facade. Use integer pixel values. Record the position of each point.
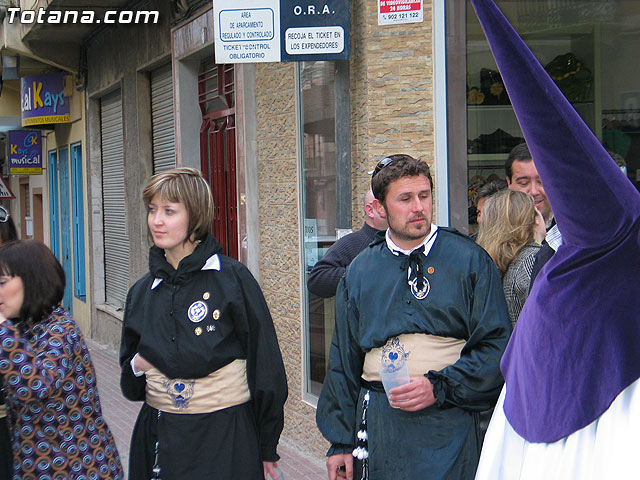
(280, 264)
(391, 93)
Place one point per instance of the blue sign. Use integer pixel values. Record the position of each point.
(25, 152)
(315, 30)
(42, 99)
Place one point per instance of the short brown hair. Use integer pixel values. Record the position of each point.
(399, 166)
(41, 274)
(188, 187)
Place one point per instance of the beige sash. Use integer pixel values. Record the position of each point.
(3, 410)
(422, 353)
(226, 387)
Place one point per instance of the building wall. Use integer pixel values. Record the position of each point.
(10, 109)
(279, 213)
(122, 57)
(10, 104)
(391, 93)
(64, 135)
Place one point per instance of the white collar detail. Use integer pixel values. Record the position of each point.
(554, 237)
(212, 263)
(427, 243)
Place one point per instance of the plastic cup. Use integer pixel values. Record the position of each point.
(394, 378)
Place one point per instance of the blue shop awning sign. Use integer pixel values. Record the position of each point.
(25, 152)
(43, 99)
(250, 31)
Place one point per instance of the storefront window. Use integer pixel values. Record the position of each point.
(323, 200)
(588, 48)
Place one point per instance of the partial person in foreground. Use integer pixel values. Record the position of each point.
(570, 408)
(57, 426)
(8, 230)
(511, 232)
(325, 275)
(422, 297)
(199, 348)
(8, 233)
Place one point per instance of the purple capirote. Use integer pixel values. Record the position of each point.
(576, 344)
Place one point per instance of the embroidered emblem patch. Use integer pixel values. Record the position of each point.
(216, 314)
(180, 391)
(197, 311)
(419, 294)
(393, 355)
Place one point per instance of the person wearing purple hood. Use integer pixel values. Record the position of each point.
(570, 407)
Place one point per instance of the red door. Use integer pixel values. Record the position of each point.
(218, 149)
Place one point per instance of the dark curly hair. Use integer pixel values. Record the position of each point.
(399, 166)
(41, 274)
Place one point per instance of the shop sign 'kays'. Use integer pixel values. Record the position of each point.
(25, 152)
(43, 99)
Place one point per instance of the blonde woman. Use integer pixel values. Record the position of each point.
(511, 231)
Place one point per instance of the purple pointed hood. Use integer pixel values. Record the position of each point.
(575, 346)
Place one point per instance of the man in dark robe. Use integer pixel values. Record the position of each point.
(427, 298)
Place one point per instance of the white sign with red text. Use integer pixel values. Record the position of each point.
(391, 12)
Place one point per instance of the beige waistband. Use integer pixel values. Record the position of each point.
(223, 388)
(3, 410)
(421, 352)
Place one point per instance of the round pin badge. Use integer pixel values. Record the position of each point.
(216, 314)
(430, 270)
(422, 293)
(206, 296)
(197, 311)
(198, 331)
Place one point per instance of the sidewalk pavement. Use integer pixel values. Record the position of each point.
(121, 414)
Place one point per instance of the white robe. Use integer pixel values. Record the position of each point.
(605, 449)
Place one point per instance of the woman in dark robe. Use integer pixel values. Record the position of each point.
(199, 347)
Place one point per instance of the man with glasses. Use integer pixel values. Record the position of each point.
(325, 275)
(428, 299)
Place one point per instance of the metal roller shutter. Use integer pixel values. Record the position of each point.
(116, 241)
(162, 124)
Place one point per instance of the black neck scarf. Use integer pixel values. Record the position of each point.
(414, 261)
